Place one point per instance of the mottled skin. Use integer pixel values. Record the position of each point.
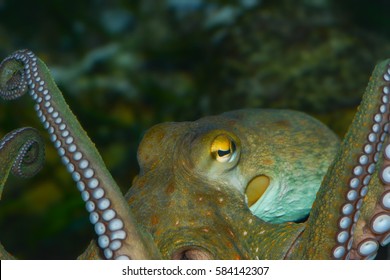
(189, 200)
(211, 194)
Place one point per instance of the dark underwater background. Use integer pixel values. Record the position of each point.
(124, 66)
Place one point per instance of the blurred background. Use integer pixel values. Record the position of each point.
(124, 66)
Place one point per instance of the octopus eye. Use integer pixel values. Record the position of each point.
(223, 148)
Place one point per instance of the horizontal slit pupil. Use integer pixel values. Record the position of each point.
(222, 153)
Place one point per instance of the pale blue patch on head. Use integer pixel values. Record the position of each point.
(283, 202)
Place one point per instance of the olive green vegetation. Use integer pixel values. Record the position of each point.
(126, 65)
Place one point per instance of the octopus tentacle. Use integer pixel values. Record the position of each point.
(22, 153)
(373, 225)
(330, 229)
(119, 236)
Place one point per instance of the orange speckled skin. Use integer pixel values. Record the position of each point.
(186, 199)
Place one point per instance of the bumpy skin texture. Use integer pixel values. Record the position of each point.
(179, 172)
(190, 200)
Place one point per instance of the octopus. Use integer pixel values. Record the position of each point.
(247, 184)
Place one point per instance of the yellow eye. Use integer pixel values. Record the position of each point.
(223, 149)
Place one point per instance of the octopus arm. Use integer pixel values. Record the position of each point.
(356, 181)
(118, 234)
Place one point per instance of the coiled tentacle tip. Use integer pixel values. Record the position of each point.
(30, 158)
(13, 82)
(26, 147)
